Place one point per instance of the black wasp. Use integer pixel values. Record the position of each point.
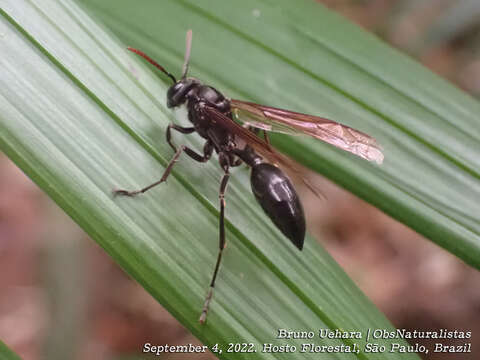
(213, 115)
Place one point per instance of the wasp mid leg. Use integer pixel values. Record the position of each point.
(225, 164)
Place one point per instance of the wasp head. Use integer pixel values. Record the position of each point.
(177, 93)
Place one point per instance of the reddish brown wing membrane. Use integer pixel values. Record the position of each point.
(293, 123)
(260, 146)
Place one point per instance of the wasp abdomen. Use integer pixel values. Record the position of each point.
(278, 198)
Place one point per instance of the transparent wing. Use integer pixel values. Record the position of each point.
(260, 146)
(293, 123)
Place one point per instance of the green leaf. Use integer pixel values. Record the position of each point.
(6, 353)
(81, 116)
(300, 56)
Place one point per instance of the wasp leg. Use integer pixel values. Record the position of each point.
(237, 162)
(256, 131)
(207, 153)
(267, 139)
(224, 161)
(207, 149)
(183, 130)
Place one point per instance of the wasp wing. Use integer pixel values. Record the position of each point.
(293, 123)
(263, 148)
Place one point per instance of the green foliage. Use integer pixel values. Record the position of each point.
(305, 58)
(6, 353)
(81, 116)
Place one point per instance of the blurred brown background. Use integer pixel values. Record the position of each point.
(415, 283)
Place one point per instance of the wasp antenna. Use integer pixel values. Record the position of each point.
(153, 62)
(188, 46)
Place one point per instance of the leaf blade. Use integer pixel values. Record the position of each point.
(69, 129)
(315, 62)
